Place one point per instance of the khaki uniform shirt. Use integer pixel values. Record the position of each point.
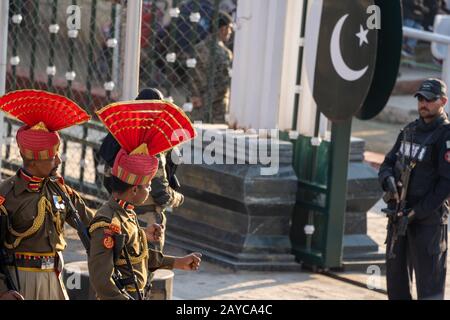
(37, 225)
(112, 219)
(37, 217)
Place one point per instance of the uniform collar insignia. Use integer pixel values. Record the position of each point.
(34, 184)
(125, 205)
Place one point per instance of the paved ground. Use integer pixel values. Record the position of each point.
(213, 282)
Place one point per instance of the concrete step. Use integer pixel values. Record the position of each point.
(366, 256)
(364, 266)
(365, 262)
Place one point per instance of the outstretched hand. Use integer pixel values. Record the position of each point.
(191, 262)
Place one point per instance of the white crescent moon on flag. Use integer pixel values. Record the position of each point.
(336, 55)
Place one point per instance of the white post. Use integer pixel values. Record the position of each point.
(132, 50)
(273, 64)
(257, 65)
(4, 15)
(293, 43)
(307, 108)
(438, 38)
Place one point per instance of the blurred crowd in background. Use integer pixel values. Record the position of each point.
(420, 14)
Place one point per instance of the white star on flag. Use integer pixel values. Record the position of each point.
(362, 35)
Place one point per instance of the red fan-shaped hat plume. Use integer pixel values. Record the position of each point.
(43, 114)
(35, 106)
(144, 128)
(159, 124)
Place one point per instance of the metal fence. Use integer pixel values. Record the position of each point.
(66, 46)
(76, 48)
(171, 34)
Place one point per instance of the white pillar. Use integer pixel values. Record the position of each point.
(307, 108)
(258, 61)
(293, 42)
(132, 50)
(4, 15)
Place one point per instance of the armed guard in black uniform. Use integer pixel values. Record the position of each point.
(416, 177)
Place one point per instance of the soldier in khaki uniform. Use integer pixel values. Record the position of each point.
(162, 194)
(35, 199)
(219, 93)
(134, 167)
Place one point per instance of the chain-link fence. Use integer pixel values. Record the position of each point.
(76, 48)
(67, 47)
(182, 53)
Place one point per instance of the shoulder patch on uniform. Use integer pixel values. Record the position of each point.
(2, 200)
(108, 241)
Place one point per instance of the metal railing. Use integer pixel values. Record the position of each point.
(433, 37)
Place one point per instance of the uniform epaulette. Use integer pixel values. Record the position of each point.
(100, 224)
(103, 222)
(6, 186)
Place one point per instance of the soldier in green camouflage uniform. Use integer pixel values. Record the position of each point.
(212, 47)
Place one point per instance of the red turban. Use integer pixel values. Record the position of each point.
(37, 144)
(43, 113)
(143, 129)
(136, 169)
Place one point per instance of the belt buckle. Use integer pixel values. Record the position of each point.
(47, 263)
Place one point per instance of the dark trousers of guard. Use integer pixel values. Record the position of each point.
(424, 250)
